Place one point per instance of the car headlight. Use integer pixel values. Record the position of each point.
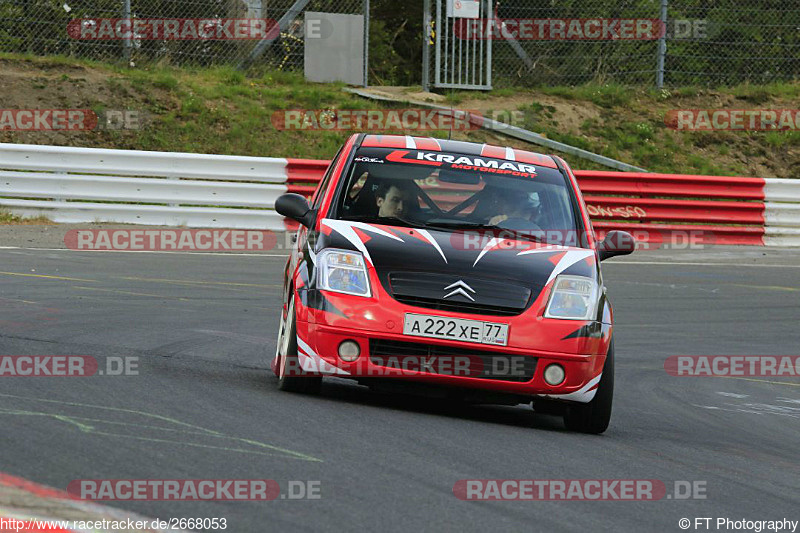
(573, 298)
(343, 271)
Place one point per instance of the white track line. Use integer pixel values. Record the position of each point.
(668, 263)
(228, 254)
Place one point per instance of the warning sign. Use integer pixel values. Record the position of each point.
(465, 9)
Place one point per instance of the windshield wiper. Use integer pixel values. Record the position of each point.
(526, 234)
(455, 224)
(386, 220)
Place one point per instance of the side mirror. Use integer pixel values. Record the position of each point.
(296, 207)
(616, 243)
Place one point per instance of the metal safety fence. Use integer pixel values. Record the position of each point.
(488, 42)
(636, 42)
(179, 32)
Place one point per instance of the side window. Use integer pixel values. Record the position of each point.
(326, 180)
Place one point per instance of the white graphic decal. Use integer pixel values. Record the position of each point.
(310, 361)
(430, 239)
(491, 244)
(569, 259)
(345, 229)
(583, 395)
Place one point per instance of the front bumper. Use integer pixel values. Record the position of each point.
(318, 348)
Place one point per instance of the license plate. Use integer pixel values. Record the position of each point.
(456, 329)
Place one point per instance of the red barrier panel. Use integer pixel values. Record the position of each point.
(686, 234)
(646, 184)
(674, 210)
(731, 212)
(303, 175)
(713, 209)
(306, 169)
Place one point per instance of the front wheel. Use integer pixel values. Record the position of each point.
(594, 417)
(291, 377)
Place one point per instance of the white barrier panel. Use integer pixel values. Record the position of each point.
(782, 215)
(782, 190)
(155, 215)
(784, 237)
(138, 163)
(782, 212)
(75, 185)
(138, 190)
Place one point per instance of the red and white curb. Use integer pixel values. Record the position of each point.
(29, 502)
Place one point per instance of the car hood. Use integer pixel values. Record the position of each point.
(465, 267)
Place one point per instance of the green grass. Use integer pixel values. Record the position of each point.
(223, 110)
(781, 139)
(7, 218)
(604, 95)
(214, 109)
(220, 110)
(761, 93)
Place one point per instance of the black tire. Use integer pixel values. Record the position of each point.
(292, 381)
(594, 417)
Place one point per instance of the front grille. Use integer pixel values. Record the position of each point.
(486, 297)
(443, 360)
(458, 307)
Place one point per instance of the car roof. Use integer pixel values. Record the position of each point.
(459, 147)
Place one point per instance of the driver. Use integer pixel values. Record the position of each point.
(393, 198)
(511, 204)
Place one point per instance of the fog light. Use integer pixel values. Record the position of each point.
(554, 374)
(349, 351)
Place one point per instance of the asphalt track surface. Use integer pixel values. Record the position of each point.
(205, 406)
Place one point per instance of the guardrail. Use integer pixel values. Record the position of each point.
(156, 188)
(698, 209)
(670, 207)
(195, 190)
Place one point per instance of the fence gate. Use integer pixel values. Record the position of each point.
(463, 59)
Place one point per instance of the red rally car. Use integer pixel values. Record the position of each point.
(462, 268)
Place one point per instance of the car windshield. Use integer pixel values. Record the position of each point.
(454, 192)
